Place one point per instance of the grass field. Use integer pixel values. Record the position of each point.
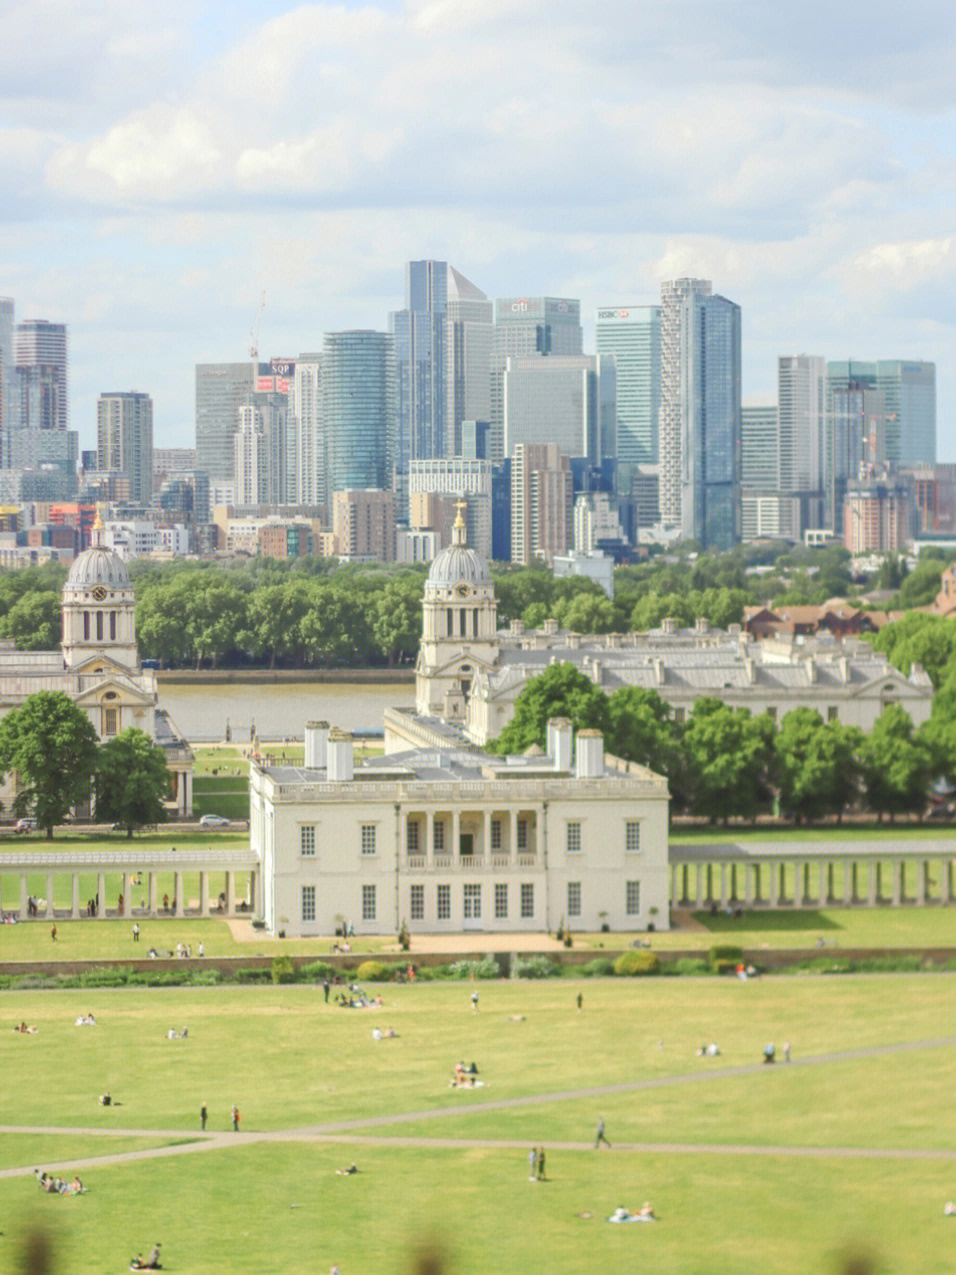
(780, 1169)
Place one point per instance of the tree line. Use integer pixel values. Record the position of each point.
(52, 747)
(723, 763)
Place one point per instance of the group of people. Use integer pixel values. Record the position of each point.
(387, 1033)
(151, 1263)
(86, 1020)
(356, 998)
(24, 1029)
(770, 1052)
(173, 1034)
(644, 1214)
(465, 1077)
(536, 1165)
(59, 1186)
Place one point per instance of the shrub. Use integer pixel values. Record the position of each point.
(636, 964)
(283, 971)
(245, 974)
(317, 972)
(688, 965)
(372, 972)
(486, 968)
(535, 967)
(600, 967)
(726, 952)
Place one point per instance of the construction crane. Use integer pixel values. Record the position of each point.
(254, 334)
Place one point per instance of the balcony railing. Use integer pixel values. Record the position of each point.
(470, 863)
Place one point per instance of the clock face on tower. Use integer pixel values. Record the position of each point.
(462, 590)
(99, 593)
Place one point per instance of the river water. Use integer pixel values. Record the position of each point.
(278, 709)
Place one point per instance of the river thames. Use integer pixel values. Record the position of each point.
(277, 709)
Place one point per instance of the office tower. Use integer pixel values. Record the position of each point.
(358, 407)
(760, 500)
(631, 335)
(699, 438)
(876, 516)
(469, 346)
(541, 493)
(528, 327)
(310, 431)
(7, 377)
(856, 431)
(563, 399)
(41, 361)
(363, 524)
(124, 440)
(909, 394)
(221, 389)
(676, 322)
(168, 462)
(453, 477)
(418, 334)
(251, 458)
(265, 451)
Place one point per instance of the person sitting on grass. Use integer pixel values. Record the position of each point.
(152, 1263)
(347, 1171)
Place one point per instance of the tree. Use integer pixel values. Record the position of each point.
(274, 616)
(397, 628)
(51, 744)
(642, 730)
(816, 766)
(560, 691)
(132, 781)
(896, 764)
(918, 638)
(33, 621)
(726, 752)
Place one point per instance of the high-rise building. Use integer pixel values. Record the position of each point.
(469, 347)
(363, 525)
(700, 413)
(526, 327)
(418, 334)
(265, 451)
(631, 335)
(251, 458)
(801, 403)
(759, 472)
(676, 295)
(41, 359)
(124, 440)
(358, 408)
(455, 478)
(564, 399)
(221, 389)
(7, 377)
(541, 494)
(909, 392)
(310, 431)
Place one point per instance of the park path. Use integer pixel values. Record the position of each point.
(346, 1131)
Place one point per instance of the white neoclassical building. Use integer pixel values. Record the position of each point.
(452, 840)
(98, 665)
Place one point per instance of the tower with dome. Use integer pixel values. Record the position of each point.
(98, 664)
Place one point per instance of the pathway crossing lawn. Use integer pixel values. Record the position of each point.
(750, 1167)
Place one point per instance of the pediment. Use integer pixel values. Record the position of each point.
(125, 691)
(894, 681)
(471, 658)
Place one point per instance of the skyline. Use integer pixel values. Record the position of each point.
(166, 167)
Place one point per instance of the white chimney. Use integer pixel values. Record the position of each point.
(316, 745)
(590, 754)
(560, 740)
(340, 759)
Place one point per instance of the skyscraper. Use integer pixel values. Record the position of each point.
(541, 494)
(564, 399)
(124, 440)
(358, 408)
(418, 334)
(631, 335)
(909, 392)
(310, 431)
(41, 357)
(801, 402)
(221, 389)
(7, 377)
(469, 345)
(700, 412)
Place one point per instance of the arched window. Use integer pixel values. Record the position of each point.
(112, 626)
(86, 626)
(99, 626)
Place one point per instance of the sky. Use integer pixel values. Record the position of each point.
(163, 165)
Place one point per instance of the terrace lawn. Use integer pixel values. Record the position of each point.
(750, 1167)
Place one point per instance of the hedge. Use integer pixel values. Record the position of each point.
(637, 964)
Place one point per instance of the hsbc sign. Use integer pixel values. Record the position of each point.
(613, 314)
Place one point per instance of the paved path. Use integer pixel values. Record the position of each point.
(345, 1131)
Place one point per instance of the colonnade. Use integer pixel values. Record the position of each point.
(814, 880)
(517, 838)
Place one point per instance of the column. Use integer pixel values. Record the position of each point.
(456, 834)
(152, 891)
(230, 893)
(178, 894)
(204, 893)
(748, 883)
(100, 895)
(945, 880)
(871, 881)
(430, 838)
(513, 836)
(922, 881)
(699, 885)
(775, 884)
(486, 849)
(823, 884)
(849, 882)
(805, 893)
(255, 889)
(897, 883)
(75, 906)
(24, 896)
(49, 896)
(723, 885)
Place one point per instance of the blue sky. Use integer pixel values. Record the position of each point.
(165, 164)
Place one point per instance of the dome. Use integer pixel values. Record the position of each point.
(456, 565)
(98, 566)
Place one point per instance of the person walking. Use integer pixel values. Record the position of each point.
(53, 931)
(580, 999)
(541, 1175)
(600, 1135)
(532, 1164)
(474, 1001)
(235, 1118)
(325, 988)
(136, 931)
(203, 1115)
(786, 1051)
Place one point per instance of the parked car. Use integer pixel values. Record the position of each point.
(26, 825)
(213, 821)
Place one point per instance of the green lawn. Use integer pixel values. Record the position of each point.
(747, 1171)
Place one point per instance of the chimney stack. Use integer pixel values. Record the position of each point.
(340, 758)
(316, 745)
(590, 754)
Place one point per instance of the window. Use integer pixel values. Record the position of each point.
(109, 721)
(308, 903)
(472, 901)
(368, 840)
(416, 902)
(86, 626)
(680, 715)
(501, 901)
(574, 898)
(307, 839)
(527, 900)
(412, 836)
(522, 834)
(772, 712)
(368, 902)
(632, 836)
(832, 714)
(496, 834)
(439, 837)
(99, 626)
(112, 626)
(443, 902)
(632, 898)
(574, 838)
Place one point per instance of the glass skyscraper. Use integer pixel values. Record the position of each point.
(358, 409)
(632, 336)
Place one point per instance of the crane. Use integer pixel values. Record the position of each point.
(254, 334)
